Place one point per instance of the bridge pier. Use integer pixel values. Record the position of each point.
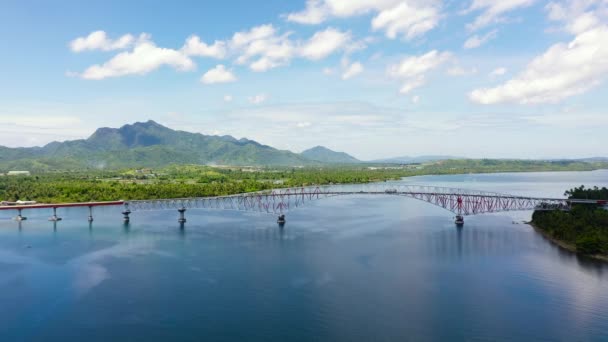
(459, 221)
(19, 217)
(90, 213)
(182, 218)
(281, 220)
(54, 218)
(125, 216)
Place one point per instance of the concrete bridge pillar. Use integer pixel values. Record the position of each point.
(281, 220)
(90, 213)
(182, 218)
(19, 217)
(459, 220)
(126, 214)
(54, 218)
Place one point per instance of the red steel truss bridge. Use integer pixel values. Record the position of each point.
(461, 202)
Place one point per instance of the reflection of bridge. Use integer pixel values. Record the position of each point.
(461, 202)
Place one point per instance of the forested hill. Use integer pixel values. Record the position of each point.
(584, 228)
(145, 144)
(325, 155)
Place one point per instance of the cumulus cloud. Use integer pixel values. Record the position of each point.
(324, 43)
(314, 13)
(258, 99)
(564, 70)
(412, 69)
(477, 41)
(98, 40)
(492, 11)
(195, 47)
(227, 98)
(351, 69)
(460, 71)
(407, 18)
(144, 58)
(219, 74)
(498, 72)
(262, 48)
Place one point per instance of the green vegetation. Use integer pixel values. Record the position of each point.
(144, 144)
(325, 155)
(585, 227)
(196, 181)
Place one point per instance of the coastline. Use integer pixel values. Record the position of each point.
(564, 245)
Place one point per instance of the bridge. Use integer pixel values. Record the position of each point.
(461, 202)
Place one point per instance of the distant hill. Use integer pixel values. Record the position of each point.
(411, 160)
(325, 155)
(145, 144)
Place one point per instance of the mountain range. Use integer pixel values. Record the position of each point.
(149, 144)
(146, 144)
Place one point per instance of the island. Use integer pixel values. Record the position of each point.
(582, 229)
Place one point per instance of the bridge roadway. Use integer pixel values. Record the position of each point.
(461, 202)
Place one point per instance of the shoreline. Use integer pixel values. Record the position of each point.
(564, 245)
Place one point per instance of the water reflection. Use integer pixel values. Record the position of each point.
(342, 269)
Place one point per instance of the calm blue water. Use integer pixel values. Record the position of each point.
(349, 269)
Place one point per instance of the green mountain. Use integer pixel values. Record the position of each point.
(325, 155)
(145, 144)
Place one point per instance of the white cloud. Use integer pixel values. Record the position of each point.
(498, 72)
(409, 18)
(228, 98)
(564, 70)
(328, 71)
(477, 41)
(406, 19)
(303, 124)
(314, 13)
(460, 71)
(412, 69)
(99, 40)
(262, 48)
(195, 47)
(219, 74)
(324, 43)
(412, 84)
(258, 99)
(415, 99)
(351, 70)
(493, 11)
(144, 58)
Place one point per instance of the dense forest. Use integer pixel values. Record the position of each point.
(197, 181)
(584, 227)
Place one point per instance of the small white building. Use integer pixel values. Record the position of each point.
(18, 173)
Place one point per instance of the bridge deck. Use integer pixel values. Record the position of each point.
(60, 205)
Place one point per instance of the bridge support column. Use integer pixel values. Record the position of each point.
(19, 217)
(54, 218)
(281, 220)
(182, 218)
(459, 220)
(126, 214)
(90, 213)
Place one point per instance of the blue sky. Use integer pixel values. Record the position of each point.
(475, 78)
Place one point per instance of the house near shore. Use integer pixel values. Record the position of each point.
(18, 173)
